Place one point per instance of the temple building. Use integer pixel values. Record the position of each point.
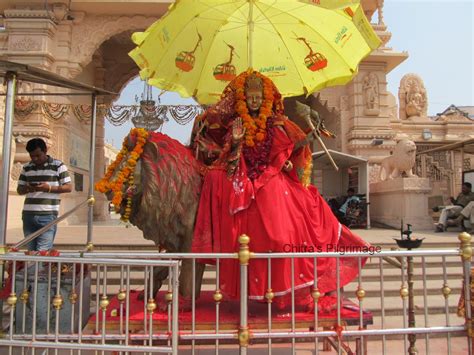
(88, 41)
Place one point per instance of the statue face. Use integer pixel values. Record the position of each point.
(254, 98)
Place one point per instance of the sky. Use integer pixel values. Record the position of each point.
(437, 34)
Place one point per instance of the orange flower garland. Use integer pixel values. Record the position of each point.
(106, 184)
(255, 128)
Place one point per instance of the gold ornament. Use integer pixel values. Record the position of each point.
(12, 299)
(58, 302)
(104, 302)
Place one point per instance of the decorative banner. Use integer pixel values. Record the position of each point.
(115, 114)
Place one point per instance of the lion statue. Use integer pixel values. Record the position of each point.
(401, 161)
(165, 198)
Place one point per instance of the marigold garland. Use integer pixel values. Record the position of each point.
(255, 128)
(107, 183)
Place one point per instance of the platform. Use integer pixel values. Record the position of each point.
(229, 316)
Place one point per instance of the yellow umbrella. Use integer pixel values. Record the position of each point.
(197, 47)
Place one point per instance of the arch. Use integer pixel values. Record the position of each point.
(94, 30)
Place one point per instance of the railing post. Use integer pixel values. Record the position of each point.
(90, 214)
(6, 152)
(466, 254)
(244, 256)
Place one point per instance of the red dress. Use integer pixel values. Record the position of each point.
(279, 214)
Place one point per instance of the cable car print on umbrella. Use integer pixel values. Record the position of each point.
(185, 60)
(314, 60)
(226, 71)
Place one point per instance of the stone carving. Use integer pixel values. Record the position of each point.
(370, 89)
(344, 104)
(89, 34)
(412, 97)
(24, 44)
(401, 161)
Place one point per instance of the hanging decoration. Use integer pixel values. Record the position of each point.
(115, 114)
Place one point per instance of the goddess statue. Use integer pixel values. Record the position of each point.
(257, 173)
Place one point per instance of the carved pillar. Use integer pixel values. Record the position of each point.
(369, 131)
(101, 205)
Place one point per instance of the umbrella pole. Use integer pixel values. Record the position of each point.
(250, 24)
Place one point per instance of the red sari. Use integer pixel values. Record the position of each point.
(279, 214)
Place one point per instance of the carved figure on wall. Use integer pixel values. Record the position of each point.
(413, 97)
(370, 88)
(401, 161)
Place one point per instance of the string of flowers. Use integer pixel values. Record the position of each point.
(125, 173)
(255, 128)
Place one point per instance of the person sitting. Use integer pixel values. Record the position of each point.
(466, 213)
(340, 210)
(453, 211)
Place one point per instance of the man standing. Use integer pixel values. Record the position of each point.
(42, 180)
(457, 206)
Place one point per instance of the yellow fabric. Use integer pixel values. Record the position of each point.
(189, 49)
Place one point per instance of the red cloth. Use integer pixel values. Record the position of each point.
(278, 214)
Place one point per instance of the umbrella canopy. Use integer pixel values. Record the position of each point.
(198, 46)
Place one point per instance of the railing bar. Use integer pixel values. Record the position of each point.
(170, 289)
(35, 304)
(361, 304)
(145, 292)
(175, 301)
(118, 259)
(97, 293)
(104, 309)
(467, 299)
(382, 304)
(293, 321)
(155, 255)
(12, 308)
(404, 302)
(152, 296)
(425, 303)
(58, 295)
(338, 299)
(85, 346)
(40, 231)
(81, 299)
(316, 304)
(121, 303)
(80, 260)
(347, 333)
(25, 290)
(73, 292)
(256, 334)
(446, 304)
(127, 307)
(217, 304)
(269, 303)
(48, 309)
(193, 306)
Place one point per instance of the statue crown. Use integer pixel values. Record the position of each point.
(253, 82)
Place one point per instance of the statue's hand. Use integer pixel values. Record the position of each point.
(288, 166)
(238, 131)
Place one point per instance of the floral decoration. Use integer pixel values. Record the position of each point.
(113, 180)
(255, 128)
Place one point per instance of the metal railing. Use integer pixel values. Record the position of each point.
(65, 282)
(30, 237)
